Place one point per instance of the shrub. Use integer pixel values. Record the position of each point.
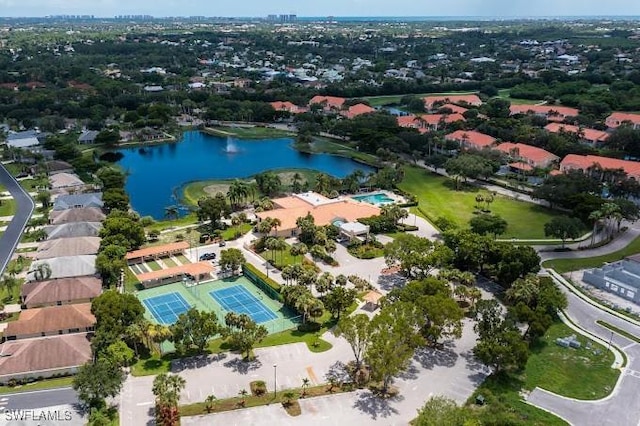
(309, 326)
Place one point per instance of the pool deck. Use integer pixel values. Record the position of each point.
(396, 199)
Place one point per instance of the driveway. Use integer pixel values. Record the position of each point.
(25, 206)
(621, 407)
(28, 408)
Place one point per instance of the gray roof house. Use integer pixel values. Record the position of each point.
(88, 214)
(76, 201)
(88, 136)
(23, 142)
(64, 267)
(68, 247)
(73, 230)
(27, 134)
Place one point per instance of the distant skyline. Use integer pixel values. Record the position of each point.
(258, 8)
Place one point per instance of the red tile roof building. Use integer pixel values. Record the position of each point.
(584, 162)
(470, 139)
(616, 119)
(427, 122)
(455, 109)
(430, 101)
(550, 112)
(356, 110)
(591, 136)
(530, 155)
(51, 320)
(288, 107)
(329, 102)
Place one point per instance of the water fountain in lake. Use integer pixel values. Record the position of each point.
(231, 147)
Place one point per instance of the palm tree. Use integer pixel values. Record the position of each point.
(167, 388)
(243, 394)
(474, 295)
(462, 292)
(288, 396)
(296, 183)
(324, 283)
(209, 402)
(42, 271)
(272, 244)
(9, 283)
(323, 183)
(265, 226)
(171, 212)
(341, 280)
(299, 249)
(488, 200)
(235, 222)
(595, 217)
(305, 384)
(479, 201)
(134, 334)
(275, 223)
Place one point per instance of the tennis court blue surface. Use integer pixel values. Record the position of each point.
(167, 308)
(238, 299)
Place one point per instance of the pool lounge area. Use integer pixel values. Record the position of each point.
(379, 198)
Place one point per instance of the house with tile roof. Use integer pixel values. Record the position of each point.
(593, 137)
(550, 112)
(73, 230)
(532, 156)
(51, 321)
(75, 246)
(470, 139)
(61, 291)
(87, 214)
(325, 211)
(76, 201)
(585, 162)
(289, 107)
(356, 110)
(65, 267)
(44, 357)
(455, 109)
(329, 103)
(617, 119)
(434, 101)
(428, 122)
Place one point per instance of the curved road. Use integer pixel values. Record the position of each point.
(24, 209)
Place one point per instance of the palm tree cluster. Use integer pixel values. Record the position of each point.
(238, 193)
(609, 214)
(166, 389)
(301, 299)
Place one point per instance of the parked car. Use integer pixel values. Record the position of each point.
(222, 243)
(208, 256)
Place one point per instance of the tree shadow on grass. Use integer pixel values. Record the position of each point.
(429, 357)
(241, 366)
(376, 406)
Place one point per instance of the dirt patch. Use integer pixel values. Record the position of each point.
(214, 189)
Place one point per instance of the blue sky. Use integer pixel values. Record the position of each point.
(506, 8)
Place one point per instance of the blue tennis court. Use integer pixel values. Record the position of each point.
(166, 308)
(238, 299)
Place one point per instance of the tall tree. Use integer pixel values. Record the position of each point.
(484, 224)
(96, 381)
(563, 227)
(417, 256)
(194, 328)
(356, 331)
(213, 209)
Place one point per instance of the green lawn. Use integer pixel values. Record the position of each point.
(575, 373)
(131, 283)
(59, 382)
(32, 185)
(190, 219)
(526, 220)
(505, 94)
(7, 207)
(169, 262)
(566, 265)
(153, 265)
(249, 132)
(183, 259)
(232, 232)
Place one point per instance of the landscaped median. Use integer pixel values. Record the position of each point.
(566, 265)
(288, 398)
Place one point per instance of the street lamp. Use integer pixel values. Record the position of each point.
(275, 381)
(610, 339)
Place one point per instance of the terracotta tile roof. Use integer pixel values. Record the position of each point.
(533, 154)
(287, 106)
(171, 248)
(357, 109)
(454, 99)
(87, 214)
(471, 137)
(617, 118)
(194, 269)
(583, 162)
(51, 319)
(68, 247)
(521, 166)
(553, 112)
(44, 354)
(38, 293)
(331, 101)
(455, 108)
(592, 135)
(324, 214)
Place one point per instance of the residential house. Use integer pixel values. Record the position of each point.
(51, 321)
(329, 103)
(325, 211)
(57, 166)
(621, 278)
(470, 139)
(617, 119)
(289, 107)
(67, 247)
(356, 110)
(591, 137)
(428, 122)
(62, 291)
(64, 267)
(586, 162)
(88, 137)
(434, 102)
(526, 157)
(76, 201)
(550, 112)
(455, 109)
(64, 181)
(44, 357)
(73, 230)
(87, 214)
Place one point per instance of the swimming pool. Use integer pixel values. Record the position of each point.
(377, 199)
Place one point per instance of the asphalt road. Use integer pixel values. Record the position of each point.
(38, 399)
(41, 408)
(621, 407)
(25, 206)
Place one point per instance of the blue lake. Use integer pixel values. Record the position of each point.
(157, 173)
